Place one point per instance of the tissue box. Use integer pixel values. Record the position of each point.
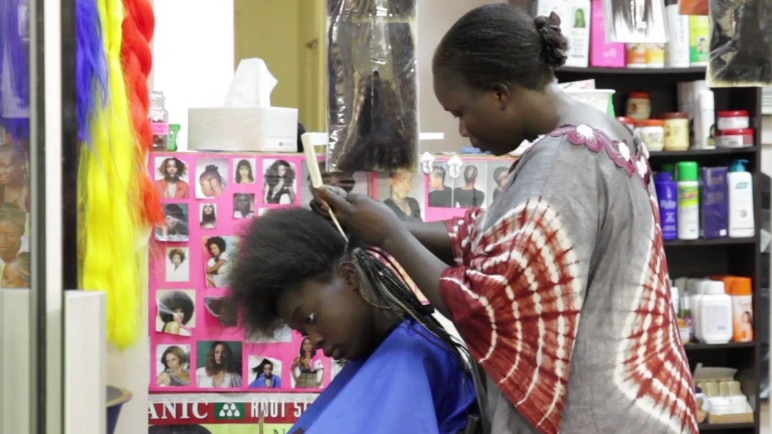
(243, 129)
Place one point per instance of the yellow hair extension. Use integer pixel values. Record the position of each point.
(109, 196)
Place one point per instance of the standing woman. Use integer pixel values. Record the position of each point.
(560, 288)
(307, 371)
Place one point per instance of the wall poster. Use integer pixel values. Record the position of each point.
(207, 376)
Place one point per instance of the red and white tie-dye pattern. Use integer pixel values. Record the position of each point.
(649, 369)
(516, 298)
(517, 306)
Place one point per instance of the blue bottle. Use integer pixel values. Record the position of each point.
(667, 196)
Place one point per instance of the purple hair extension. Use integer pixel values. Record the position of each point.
(91, 65)
(14, 37)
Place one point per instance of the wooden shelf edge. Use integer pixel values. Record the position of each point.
(711, 242)
(630, 71)
(725, 426)
(730, 345)
(703, 152)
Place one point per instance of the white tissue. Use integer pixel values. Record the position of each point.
(251, 85)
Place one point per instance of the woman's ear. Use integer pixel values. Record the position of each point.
(503, 94)
(349, 273)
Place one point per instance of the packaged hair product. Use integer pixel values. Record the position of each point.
(373, 106)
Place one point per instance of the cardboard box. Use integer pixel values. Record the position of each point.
(243, 129)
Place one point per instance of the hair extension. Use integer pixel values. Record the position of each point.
(91, 66)
(392, 289)
(17, 48)
(373, 112)
(138, 27)
(111, 219)
(383, 138)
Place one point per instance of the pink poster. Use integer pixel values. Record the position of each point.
(207, 198)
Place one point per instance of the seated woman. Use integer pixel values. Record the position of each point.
(403, 372)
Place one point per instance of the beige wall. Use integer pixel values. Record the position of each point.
(269, 29)
(282, 32)
(434, 18)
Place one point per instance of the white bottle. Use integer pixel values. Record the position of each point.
(675, 300)
(704, 117)
(677, 48)
(715, 313)
(696, 289)
(741, 216)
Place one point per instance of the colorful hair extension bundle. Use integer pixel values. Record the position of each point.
(137, 57)
(113, 225)
(14, 71)
(90, 66)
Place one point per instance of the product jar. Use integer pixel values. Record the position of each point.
(676, 131)
(733, 120)
(652, 133)
(738, 138)
(636, 56)
(638, 105)
(655, 55)
(627, 121)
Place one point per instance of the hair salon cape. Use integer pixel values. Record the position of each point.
(411, 383)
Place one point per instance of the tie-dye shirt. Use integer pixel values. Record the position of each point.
(561, 291)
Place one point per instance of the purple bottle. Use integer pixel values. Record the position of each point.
(667, 197)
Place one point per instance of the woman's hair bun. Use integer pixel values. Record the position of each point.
(554, 44)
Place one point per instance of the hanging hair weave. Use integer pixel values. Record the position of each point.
(137, 58)
(391, 289)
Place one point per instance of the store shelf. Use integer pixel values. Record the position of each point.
(710, 242)
(630, 71)
(703, 152)
(730, 345)
(725, 426)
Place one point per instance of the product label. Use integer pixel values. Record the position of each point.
(699, 39)
(731, 141)
(688, 196)
(742, 313)
(160, 128)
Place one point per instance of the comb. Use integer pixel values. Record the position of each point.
(316, 176)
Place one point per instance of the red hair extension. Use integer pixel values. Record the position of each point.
(137, 57)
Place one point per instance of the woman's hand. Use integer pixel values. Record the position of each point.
(367, 219)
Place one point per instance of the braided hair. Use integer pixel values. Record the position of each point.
(390, 287)
(286, 247)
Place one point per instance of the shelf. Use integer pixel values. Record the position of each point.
(630, 71)
(730, 345)
(710, 242)
(702, 152)
(725, 426)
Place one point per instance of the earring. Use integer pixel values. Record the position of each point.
(367, 300)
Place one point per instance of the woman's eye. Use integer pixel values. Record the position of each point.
(310, 318)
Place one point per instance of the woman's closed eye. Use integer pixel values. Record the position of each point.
(310, 318)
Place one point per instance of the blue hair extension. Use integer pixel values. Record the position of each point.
(91, 65)
(15, 42)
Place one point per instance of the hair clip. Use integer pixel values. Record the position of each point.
(454, 166)
(427, 162)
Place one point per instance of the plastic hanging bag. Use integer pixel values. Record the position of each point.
(635, 21)
(373, 107)
(740, 43)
